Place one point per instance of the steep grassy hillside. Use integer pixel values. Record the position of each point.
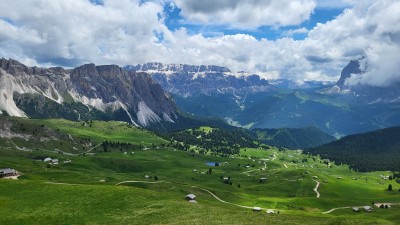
(58, 135)
(377, 150)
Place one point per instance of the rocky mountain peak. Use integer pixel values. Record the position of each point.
(356, 66)
(153, 67)
(186, 80)
(105, 92)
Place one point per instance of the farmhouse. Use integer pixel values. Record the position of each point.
(190, 197)
(48, 159)
(8, 172)
(368, 208)
(263, 179)
(256, 209)
(356, 209)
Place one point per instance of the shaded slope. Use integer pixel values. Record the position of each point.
(294, 138)
(376, 150)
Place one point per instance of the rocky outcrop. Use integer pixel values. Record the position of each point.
(353, 67)
(187, 80)
(108, 90)
(364, 93)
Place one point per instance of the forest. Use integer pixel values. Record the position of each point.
(376, 150)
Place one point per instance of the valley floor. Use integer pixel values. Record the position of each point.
(112, 188)
(132, 177)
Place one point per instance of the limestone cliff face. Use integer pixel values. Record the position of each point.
(187, 80)
(111, 91)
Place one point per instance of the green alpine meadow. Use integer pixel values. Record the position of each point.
(114, 173)
(121, 112)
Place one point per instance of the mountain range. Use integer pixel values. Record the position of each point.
(159, 95)
(187, 80)
(250, 101)
(86, 92)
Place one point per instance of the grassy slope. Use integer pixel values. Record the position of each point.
(32, 200)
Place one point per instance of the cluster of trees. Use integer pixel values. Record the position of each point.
(108, 146)
(220, 141)
(377, 150)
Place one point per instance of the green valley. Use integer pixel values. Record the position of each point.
(114, 173)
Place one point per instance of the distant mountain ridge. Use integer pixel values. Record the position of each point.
(188, 80)
(100, 92)
(249, 101)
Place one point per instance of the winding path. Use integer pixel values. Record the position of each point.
(285, 165)
(203, 189)
(139, 181)
(220, 200)
(345, 207)
(316, 189)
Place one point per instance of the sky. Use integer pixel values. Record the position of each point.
(292, 39)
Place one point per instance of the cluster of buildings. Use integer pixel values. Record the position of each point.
(8, 173)
(54, 161)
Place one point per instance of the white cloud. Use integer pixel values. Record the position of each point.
(335, 4)
(370, 29)
(290, 33)
(248, 14)
(74, 32)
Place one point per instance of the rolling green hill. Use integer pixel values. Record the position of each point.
(376, 150)
(219, 141)
(293, 138)
(146, 181)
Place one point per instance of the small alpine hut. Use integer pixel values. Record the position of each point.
(368, 208)
(191, 198)
(8, 172)
(256, 209)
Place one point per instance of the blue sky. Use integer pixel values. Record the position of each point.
(320, 15)
(294, 39)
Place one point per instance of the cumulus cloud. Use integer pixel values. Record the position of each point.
(70, 33)
(335, 4)
(248, 14)
(290, 33)
(366, 29)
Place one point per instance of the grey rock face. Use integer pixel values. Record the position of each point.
(187, 80)
(362, 93)
(107, 89)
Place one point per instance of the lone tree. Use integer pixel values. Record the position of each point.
(155, 178)
(390, 188)
(209, 171)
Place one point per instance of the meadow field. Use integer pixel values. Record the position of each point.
(147, 185)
